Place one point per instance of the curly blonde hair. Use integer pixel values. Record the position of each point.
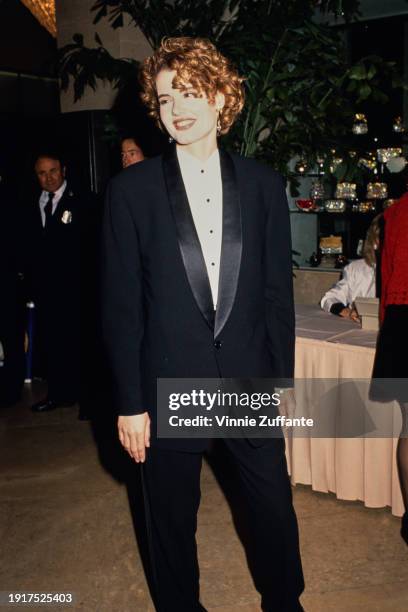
(197, 63)
(372, 240)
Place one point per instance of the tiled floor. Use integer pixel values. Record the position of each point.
(66, 526)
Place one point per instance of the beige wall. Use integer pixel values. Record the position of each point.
(75, 16)
(310, 285)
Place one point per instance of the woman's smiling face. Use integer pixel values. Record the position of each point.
(187, 117)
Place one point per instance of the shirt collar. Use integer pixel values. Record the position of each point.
(193, 164)
(57, 193)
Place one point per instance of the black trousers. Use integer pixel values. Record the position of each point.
(57, 339)
(171, 483)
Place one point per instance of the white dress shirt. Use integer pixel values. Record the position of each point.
(358, 280)
(44, 199)
(203, 184)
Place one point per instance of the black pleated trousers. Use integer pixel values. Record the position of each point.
(171, 483)
(57, 336)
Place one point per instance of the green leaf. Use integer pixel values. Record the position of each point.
(101, 13)
(118, 22)
(364, 92)
(358, 72)
(371, 72)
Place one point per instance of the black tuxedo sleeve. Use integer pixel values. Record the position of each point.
(280, 312)
(122, 309)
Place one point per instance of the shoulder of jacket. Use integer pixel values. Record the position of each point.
(357, 267)
(141, 173)
(258, 168)
(397, 212)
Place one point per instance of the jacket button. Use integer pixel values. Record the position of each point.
(217, 344)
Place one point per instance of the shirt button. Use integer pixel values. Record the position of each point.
(208, 199)
(217, 344)
(202, 171)
(211, 232)
(212, 263)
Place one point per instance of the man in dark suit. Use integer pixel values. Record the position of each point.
(197, 283)
(53, 266)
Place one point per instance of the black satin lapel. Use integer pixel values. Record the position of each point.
(231, 250)
(189, 243)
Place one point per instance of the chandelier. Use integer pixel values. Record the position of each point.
(44, 11)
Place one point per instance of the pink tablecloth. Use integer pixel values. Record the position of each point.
(352, 468)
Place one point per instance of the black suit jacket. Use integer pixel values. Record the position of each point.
(56, 258)
(158, 315)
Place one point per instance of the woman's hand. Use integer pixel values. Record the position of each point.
(134, 435)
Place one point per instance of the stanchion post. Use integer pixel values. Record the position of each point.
(30, 338)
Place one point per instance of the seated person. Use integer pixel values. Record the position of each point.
(358, 279)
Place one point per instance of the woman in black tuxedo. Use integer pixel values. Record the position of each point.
(197, 283)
